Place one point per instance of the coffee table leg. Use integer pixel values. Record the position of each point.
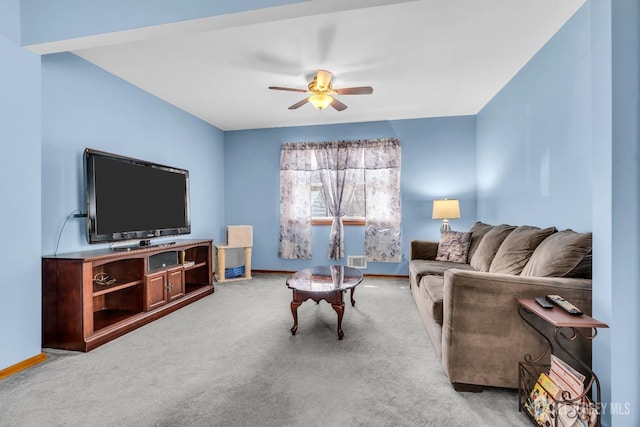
(353, 302)
(294, 311)
(339, 308)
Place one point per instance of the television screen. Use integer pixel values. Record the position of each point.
(134, 199)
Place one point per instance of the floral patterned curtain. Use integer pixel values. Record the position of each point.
(382, 188)
(336, 161)
(295, 201)
(339, 164)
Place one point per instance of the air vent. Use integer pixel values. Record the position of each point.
(356, 261)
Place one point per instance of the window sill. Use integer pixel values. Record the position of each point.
(328, 221)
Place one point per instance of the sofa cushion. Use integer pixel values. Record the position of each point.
(419, 268)
(488, 246)
(433, 287)
(517, 248)
(478, 230)
(454, 246)
(563, 254)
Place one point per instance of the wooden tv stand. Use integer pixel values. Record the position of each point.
(92, 297)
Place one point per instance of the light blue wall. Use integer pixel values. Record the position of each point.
(602, 191)
(625, 209)
(10, 19)
(572, 112)
(534, 138)
(438, 160)
(46, 20)
(578, 98)
(20, 284)
(84, 106)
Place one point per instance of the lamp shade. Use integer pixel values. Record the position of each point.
(446, 209)
(320, 101)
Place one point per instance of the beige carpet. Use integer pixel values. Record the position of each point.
(230, 360)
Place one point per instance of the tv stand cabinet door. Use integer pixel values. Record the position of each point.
(155, 291)
(176, 283)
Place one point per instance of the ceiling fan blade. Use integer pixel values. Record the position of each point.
(287, 88)
(362, 90)
(299, 104)
(323, 78)
(338, 105)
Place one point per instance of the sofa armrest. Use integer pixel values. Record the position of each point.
(424, 249)
(483, 336)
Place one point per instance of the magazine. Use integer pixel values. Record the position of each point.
(538, 403)
(547, 383)
(566, 377)
(578, 414)
(541, 403)
(569, 385)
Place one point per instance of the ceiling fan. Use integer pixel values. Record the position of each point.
(321, 92)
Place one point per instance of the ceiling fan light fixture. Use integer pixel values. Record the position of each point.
(320, 100)
(321, 92)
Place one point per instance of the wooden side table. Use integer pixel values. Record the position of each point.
(221, 259)
(577, 326)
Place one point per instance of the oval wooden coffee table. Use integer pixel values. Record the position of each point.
(327, 283)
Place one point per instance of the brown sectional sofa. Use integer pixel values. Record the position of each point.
(469, 308)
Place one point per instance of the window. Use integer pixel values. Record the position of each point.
(356, 214)
(357, 180)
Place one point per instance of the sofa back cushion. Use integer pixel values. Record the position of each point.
(488, 246)
(454, 246)
(478, 231)
(563, 254)
(517, 248)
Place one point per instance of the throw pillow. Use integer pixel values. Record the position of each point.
(563, 254)
(478, 231)
(488, 246)
(517, 248)
(454, 246)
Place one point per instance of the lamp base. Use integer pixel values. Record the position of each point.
(445, 226)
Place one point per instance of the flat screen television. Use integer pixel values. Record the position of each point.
(129, 199)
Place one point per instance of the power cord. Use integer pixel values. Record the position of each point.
(63, 225)
(103, 279)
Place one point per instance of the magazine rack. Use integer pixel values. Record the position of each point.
(529, 370)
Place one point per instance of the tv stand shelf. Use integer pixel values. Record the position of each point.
(116, 287)
(92, 297)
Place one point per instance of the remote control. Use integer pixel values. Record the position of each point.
(564, 304)
(543, 302)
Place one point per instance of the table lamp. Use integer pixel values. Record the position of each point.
(446, 209)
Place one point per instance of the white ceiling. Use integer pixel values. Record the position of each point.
(428, 58)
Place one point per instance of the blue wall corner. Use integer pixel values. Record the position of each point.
(438, 160)
(86, 107)
(20, 280)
